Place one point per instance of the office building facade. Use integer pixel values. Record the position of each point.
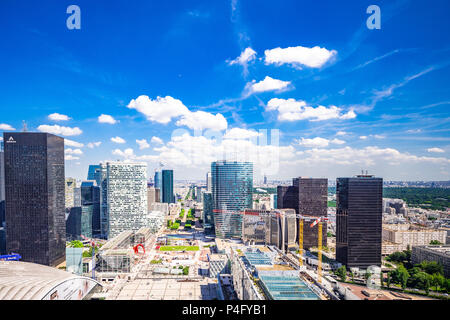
(127, 196)
(93, 172)
(90, 203)
(359, 221)
(312, 202)
(167, 186)
(158, 183)
(152, 196)
(232, 189)
(35, 196)
(208, 216)
(70, 186)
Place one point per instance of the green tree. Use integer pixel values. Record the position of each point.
(438, 281)
(431, 267)
(400, 276)
(341, 272)
(76, 244)
(435, 242)
(381, 278)
(388, 280)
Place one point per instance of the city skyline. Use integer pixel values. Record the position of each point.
(342, 97)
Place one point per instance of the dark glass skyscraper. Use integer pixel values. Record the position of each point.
(232, 189)
(35, 197)
(312, 201)
(287, 197)
(94, 172)
(90, 202)
(167, 186)
(359, 221)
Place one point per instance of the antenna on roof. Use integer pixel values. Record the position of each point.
(24, 127)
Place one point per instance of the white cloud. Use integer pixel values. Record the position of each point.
(156, 140)
(1, 138)
(293, 110)
(378, 136)
(314, 57)
(318, 142)
(127, 153)
(104, 118)
(437, 150)
(6, 127)
(58, 117)
(143, 144)
(341, 133)
(161, 110)
(118, 140)
(245, 57)
(239, 133)
(73, 151)
(203, 120)
(59, 130)
(268, 84)
(363, 137)
(70, 157)
(71, 143)
(93, 145)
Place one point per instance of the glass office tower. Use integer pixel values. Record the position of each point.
(232, 188)
(312, 201)
(359, 221)
(90, 204)
(35, 197)
(93, 172)
(167, 186)
(158, 184)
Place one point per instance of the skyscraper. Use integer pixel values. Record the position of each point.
(152, 196)
(359, 221)
(2, 186)
(35, 196)
(167, 186)
(158, 184)
(208, 217)
(93, 172)
(232, 189)
(208, 182)
(312, 201)
(102, 182)
(90, 204)
(70, 186)
(287, 197)
(127, 196)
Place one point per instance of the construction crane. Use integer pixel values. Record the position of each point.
(316, 220)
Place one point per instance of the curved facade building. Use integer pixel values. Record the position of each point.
(232, 187)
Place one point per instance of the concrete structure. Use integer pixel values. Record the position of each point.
(70, 186)
(30, 281)
(439, 254)
(127, 196)
(153, 196)
(399, 236)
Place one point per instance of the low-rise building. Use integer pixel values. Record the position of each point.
(440, 254)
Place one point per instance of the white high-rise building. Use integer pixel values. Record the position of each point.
(126, 196)
(208, 182)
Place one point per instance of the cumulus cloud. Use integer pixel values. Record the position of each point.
(143, 144)
(363, 137)
(71, 143)
(93, 145)
(58, 117)
(293, 110)
(118, 140)
(6, 127)
(69, 157)
(156, 140)
(268, 84)
(73, 151)
(318, 142)
(239, 133)
(341, 133)
(203, 120)
(162, 110)
(105, 118)
(436, 150)
(245, 57)
(127, 153)
(60, 130)
(299, 56)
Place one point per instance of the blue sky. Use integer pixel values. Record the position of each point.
(176, 73)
